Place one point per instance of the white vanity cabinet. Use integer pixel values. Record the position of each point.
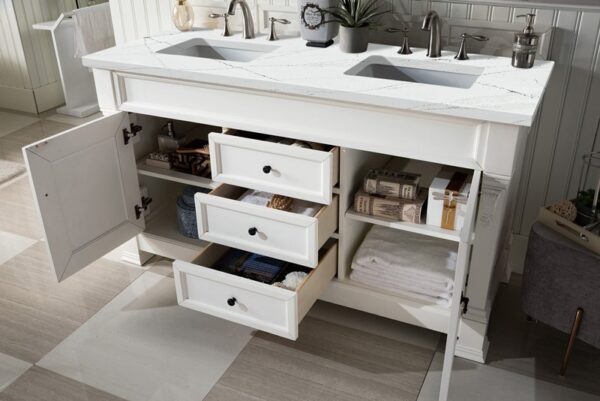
(86, 180)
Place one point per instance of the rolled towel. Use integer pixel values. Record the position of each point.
(93, 29)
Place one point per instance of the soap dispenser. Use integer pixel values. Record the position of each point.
(182, 15)
(169, 141)
(525, 44)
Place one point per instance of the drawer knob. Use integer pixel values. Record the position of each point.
(231, 301)
(252, 231)
(267, 169)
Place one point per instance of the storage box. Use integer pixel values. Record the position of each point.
(447, 199)
(584, 237)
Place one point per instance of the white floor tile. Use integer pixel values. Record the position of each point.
(12, 244)
(375, 325)
(11, 122)
(143, 346)
(472, 381)
(10, 369)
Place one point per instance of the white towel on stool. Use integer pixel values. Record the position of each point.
(93, 29)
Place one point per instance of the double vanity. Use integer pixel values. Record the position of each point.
(366, 109)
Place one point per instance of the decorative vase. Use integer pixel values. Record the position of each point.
(183, 15)
(315, 25)
(354, 40)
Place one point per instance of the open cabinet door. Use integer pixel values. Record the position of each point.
(86, 187)
(460, 277)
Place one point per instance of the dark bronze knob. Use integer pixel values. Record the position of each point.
(266, 169)
(252, 231)
(231, 301)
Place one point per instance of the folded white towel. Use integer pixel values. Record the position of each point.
(408, 281)
(93, 29)
(382, 284)
(399, 252)
(262, 198)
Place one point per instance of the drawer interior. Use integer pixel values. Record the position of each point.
(211, 257)
(299, 206)
(280, 140)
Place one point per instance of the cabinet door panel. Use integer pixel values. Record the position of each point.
(86, 187)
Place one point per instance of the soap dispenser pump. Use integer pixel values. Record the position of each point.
(525, 44)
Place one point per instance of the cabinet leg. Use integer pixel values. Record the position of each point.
(572, 338)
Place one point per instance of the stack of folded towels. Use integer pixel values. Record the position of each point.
(409, 265)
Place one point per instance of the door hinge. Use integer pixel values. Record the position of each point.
(464, 301)
(130, 133)
(139, 209)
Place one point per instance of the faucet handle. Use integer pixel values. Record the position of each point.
(405, 48)
(225, 17)
(273, 20)
(462, 50)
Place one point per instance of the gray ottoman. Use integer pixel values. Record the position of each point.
(561, 286)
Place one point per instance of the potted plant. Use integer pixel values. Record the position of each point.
(355, 18)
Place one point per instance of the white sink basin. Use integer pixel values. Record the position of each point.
(385, 68)
(219, 50)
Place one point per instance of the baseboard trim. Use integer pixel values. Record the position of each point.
(472, 354)
(19, 99)
(49, 96)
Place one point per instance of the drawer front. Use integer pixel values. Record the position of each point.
(282, 235)
(281, 169)
(261, 306)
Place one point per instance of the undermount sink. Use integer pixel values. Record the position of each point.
(219, 50)
(384, 68)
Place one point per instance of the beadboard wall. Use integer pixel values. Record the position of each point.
(568, 126)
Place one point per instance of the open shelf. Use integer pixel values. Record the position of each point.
(176, 176)
(387, 304)
(162, 236)
(423, 229)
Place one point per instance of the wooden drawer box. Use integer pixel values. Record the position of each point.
(262, 306)
(288, 236)
(281, 169)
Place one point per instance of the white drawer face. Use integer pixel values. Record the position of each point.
(281, 169)
(244, 301)
(283, 235)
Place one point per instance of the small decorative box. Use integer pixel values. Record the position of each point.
(447, 201)
(398, 184)
(390, 207)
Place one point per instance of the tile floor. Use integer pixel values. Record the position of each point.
(114, 332)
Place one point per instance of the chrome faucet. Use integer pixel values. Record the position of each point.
(431, 23)
(246, 17)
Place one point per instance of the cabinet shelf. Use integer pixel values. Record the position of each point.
(162, 236)
(176, 176)
(423, 229)
(387, 304)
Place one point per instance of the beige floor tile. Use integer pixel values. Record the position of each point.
(11, 151)
(327, 362)
(62, 118)
(35, 132)
(10, 122)
(38, 384)
(10, 369)
(37, 313)
(11, 245)
(18, 213)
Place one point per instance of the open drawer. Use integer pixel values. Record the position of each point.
(296, 238)
(274, 167)
(261, 306)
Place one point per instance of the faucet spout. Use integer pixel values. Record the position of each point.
(431, 23)
(246, 17)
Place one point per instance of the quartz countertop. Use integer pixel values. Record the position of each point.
(501, 94)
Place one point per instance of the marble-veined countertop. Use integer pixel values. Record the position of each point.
(501, 93)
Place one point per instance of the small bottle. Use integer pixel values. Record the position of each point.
(169, 142)
(525, 44)
(183, 15)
